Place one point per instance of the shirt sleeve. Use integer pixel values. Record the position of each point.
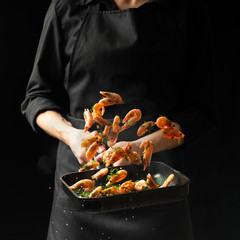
(45, 90)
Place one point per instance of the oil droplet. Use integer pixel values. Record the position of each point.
(133, 217)
(126, 219)
(66, 224)
(153, 228)
(81, 228)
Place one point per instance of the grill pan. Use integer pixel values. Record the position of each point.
(176, 191)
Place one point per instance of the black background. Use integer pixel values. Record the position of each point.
(27, 186)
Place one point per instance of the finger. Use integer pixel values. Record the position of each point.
(82, 161)
(99, 158)
(121, 162)
(101, 148)
(82, 158)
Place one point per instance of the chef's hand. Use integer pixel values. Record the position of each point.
(57, 126)
(76, 137)
(135, 147)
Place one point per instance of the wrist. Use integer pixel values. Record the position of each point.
(67, 134)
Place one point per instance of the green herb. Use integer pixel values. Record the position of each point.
(112, 172)
(80, 192)
(91, 108)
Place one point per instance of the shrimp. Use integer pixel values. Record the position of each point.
(89, 141)
(101, 121)
(115, 155)
(147, 153)
(140, 185)
(132, 156)
(102, 172)
(92, 150)
(172, 133)
(126, 187)
(145, 127)
(89, 166)
(150, 182)
(109, 102)
(113, 136)
(164, 123)
(95, 192)
(106, 131)
(168, 180)
(86, 184)
(121, 174)
(112, 96)
(107, 156)
(98, 109)
(131, 118)
(88, 119)
(110, 191)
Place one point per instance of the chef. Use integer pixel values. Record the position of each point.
(136, 49)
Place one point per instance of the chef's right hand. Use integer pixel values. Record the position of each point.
(57, 126)
(75, 138)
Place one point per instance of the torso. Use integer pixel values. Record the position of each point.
(125, 4)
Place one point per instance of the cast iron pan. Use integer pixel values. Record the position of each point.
(176, 191)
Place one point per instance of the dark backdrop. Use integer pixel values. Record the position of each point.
(27, 184)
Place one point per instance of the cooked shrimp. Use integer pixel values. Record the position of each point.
(126, 187)
(88, 119)
(102, 172)
(131, 118)
(140, 185)
(89, 141)
(113, 136)
(109, 102)
(106, 131)
(121, 174)
(92, 150)
(112, 95)
(89, 166)
(172, 133)
(145, 127)
(110, 191)
(150, 182)
(101, 121)
(98, 109)
(168, 181)
(147, 153)
(113, 156)
(95, 192)
(86, 184)
(107, 156)
(132, 156)
(164, 123)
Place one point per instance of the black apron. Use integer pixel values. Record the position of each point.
(131, 52)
